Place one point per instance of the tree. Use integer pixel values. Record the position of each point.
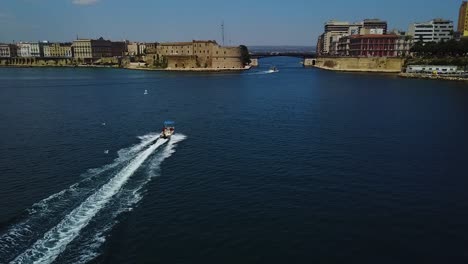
(245, 55)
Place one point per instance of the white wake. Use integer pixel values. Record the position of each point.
(56, 239)
(40, 214)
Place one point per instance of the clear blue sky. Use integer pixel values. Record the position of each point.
(251, 22)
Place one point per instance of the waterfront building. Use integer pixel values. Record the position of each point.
(138, 49)
(58, 50)
(343, 46)
(320, 43)
(151, 48)
(463, 19)
(368, 45)
(92, 48)
(439, 69)
(8, 50)
(373, 26)
(30, 49)
(334, 45)
(403, 44)
(435, 30)
(118, 48)
(333, 28)
(195, 54)
(133, 49)
(141, 49)
(24, 49)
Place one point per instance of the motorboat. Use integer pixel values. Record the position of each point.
(273, 69)
(168, 129)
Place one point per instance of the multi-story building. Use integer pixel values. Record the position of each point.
(92, 48)
(82, 49)
(136, 49)
(403, 44)
(118, 48)
(320, 43)
(435, 30)
(31, 49)
(133, 49)
(8, 50)
(24, 49)
(142, 48)
(151, 48)
(368, 45)
(343, 46)
(195, 54)
(334, 45)
(373, 26)
(58, 50)
(463, 19)
(37, 49)
(333, 28)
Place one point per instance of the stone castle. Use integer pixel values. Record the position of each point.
(194, 55)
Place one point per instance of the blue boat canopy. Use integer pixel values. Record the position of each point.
(169, 123)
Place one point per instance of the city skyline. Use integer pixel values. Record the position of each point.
(251, 23)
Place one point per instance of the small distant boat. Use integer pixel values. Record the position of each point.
(273, 69)
(106, 151)
(104, 123)
(168, 129)
(146, 92)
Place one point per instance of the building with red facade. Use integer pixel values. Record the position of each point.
(368, 46)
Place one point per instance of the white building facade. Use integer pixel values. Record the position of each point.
(24, 50)
(30, 49)
(439, 69)
(435, 30)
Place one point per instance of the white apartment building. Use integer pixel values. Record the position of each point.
(30, 49)
(24, 50)
(435, 30)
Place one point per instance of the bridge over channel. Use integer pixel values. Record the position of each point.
(259, 55)
(256, 56)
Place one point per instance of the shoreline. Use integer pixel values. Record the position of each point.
(188, 69)
(355, 70)
(130, 68)
(432, 77)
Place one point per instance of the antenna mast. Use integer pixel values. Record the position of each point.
(222, 30)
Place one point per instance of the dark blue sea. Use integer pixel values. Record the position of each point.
(299, 166)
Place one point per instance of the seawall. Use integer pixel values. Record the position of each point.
(357, 64)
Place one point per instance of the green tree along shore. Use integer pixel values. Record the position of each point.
(245, 56)
(451, 52)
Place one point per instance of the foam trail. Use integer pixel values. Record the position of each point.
(90, 246)
(262, 72)
(54, 242)
(46, 213)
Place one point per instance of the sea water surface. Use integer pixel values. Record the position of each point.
(299, 166)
